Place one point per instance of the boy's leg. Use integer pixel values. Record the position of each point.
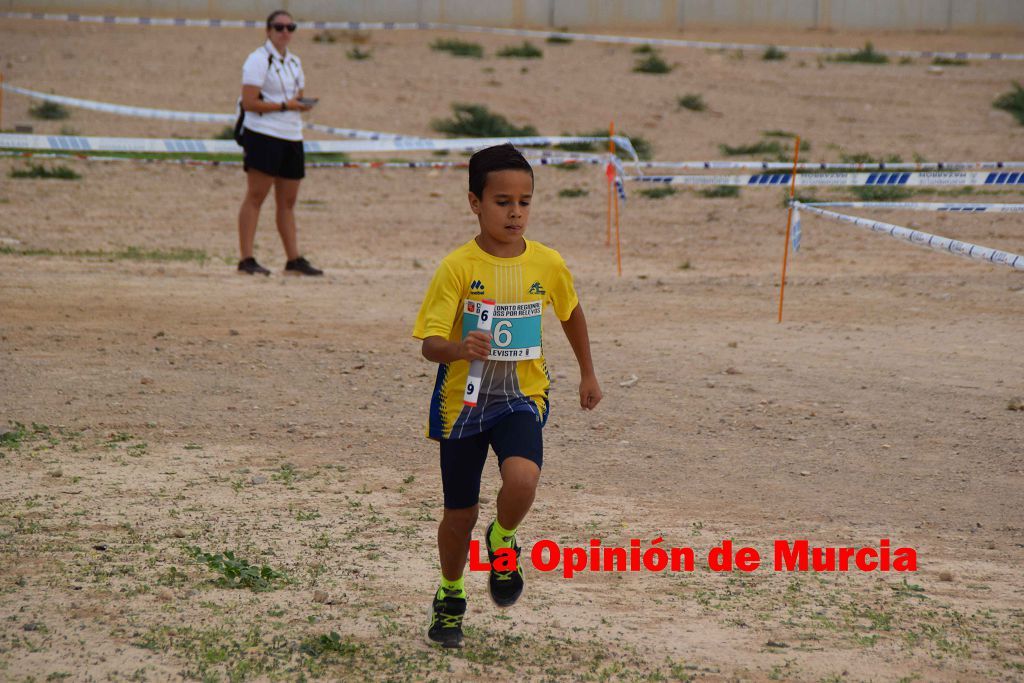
(519, 444)
(453, 535)
(462, 463)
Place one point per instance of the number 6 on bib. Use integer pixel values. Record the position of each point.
(476, 368)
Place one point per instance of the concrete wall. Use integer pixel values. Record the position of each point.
(582, 14)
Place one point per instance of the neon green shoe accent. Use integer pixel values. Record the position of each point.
(454, 589)
(501, 537)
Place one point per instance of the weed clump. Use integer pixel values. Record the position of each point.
(458, 48)
(525, 51)
(773, 54)
(236, 572)
(1012, 102)
(476, 121)
(358, 55)
(720, 191)
(49, 111)
(865, 55)
(652, 64)
(45, 172)
(570, 192)
(658, 192)
(693, 102)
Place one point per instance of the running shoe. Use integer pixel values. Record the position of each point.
(505, 587)
(301, 266)
(249, 266)
(446, 620)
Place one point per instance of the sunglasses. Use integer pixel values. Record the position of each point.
(280, 28)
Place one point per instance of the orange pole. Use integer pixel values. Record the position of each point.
(789, 225)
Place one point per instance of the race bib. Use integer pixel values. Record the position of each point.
(515, 329)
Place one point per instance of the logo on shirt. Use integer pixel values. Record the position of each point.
(476, 287)
(537, 288)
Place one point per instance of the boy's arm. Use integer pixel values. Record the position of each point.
(476, 346)
(576, 332)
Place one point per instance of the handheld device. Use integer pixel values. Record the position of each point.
(309, 101)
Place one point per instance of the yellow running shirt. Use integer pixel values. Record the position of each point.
(515, 376)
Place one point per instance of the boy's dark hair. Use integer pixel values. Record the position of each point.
(275, 14)
(498, 158)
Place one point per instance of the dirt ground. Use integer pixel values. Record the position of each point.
(153, 400)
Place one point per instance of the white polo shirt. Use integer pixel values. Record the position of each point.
(279, 79)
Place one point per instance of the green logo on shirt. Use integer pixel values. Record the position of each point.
(537, 288)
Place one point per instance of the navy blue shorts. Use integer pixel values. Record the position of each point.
(462, 460)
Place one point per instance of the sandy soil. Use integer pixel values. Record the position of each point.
(167, 402)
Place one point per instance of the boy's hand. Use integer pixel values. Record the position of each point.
(590, 392)
(476, 346)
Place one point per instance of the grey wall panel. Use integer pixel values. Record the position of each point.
(605, 15)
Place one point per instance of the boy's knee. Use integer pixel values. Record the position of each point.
(521, 477)
(461, 520)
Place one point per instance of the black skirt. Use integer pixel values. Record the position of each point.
(273, 156)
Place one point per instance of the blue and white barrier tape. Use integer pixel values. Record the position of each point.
(535, 160)
(101, 144)
(897, 179)
(524, 33)
(190, 116)
(810, 166)
(924, 206)
(924, 239)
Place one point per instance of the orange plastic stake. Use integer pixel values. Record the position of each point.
(789, 224)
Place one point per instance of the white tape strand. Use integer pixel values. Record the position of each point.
(190, 116)
(924, 239)
(810, 166)
(924, 206)
(174, 145)
(525, 33)
(541, 161)
(882, 179)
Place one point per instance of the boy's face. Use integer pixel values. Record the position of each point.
(505, 207)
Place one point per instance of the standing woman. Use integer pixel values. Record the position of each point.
(272, 83)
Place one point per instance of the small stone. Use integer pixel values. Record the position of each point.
(733, 345)
(257, 480)
(1016, 403)
(320, 596)
(100, 546)
(805, 473)
(178, 533)
(732, 371)
(633, 379)
(990, 545)
(146, 380)
(234, 333)
(945, 575)
(165, 595)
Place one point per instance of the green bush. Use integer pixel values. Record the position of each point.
(949, 61)
(645, 49)
(879, 193)
(773, 54)
(1012, 102)
(866, 55)
(459, 48)
(358, 55)
(720, 191)
(693, 102)
(50, 111)
(476, 121)
(658, 192)
(525, 51)
(41, 171)
(652, 64)
(573, 192)
(559, 40)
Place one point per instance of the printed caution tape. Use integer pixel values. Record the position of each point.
(924, 239)
(190, 116)
(542, 161)
(67, 143)
(525, 33)
(896, 179)
(810, 166)
(924, 206)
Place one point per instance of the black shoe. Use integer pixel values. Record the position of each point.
(250, 267)
(506, 587)
(446, 620)
(301, 266)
